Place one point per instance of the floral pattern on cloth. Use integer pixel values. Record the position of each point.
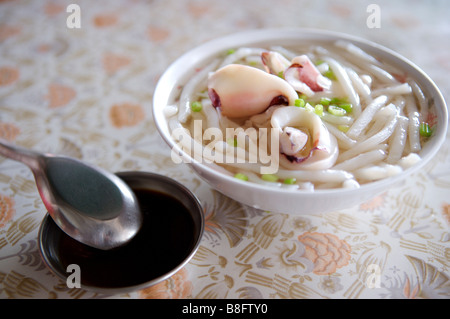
(87, 93)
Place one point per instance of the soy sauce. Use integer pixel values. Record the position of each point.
(166, 238)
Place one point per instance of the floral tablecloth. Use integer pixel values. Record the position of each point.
(84, 88)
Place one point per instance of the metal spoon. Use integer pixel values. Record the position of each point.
(90, 204)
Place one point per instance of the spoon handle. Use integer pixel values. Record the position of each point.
(21, 154)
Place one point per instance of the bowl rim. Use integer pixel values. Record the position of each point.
(48, 260)
(255, 36)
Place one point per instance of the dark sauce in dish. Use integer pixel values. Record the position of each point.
(164, 241)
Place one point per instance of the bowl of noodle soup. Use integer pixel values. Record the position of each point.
(299, 121)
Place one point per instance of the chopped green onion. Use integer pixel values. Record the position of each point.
(269, 177)
(425, 130)
(281, 74)
(318, 109)
(347, 107)
(232, 142)
(319, 62)
(336, 110)
(309, 107)
(325, 101)
(231, 51)
(330, 74)
(300, 102)
(241, 176)
(338, 101)
(290, 181)
(196, 106)
(343, 128)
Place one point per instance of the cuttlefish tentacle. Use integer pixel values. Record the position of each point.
(305, 142)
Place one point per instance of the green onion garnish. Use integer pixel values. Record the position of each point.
(241, 176)
(196, 106)
(269, 177)
(347, 107)
(232, 142)
(318, 109)
(325, 101)
(319, 62)
(290, 181)
(336, 110)
(343, 128)
(330, 74)
(300, 102)
(425, 130)
(338, 101)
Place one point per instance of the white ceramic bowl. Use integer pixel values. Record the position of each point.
(281, 200)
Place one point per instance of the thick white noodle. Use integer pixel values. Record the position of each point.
(391, 114)
(374, 173)
(240, 54)
(344, 141)
(212, 118)
(398, 141)
(409, 160)
(362, 88)
(252, 177)
(382, 75)
(399, 102)
(216, 151)
(197, 81)
(366, 117)
(399, 89)
(283, 51)
(356, 51)
(422, 100)
(414, 124)
(243, 137)
(338, 120)
(361, 160)
(238, 154)
(346, 83)
(323, 176)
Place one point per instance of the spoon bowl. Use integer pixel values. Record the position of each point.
(89, 204)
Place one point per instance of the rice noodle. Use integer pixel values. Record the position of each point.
(390, 112)
(190, 88)
(366, 117)
(397, 145)
(361, 160)
(346, 84)
(414, 124)
(399, 89)
(240, 54)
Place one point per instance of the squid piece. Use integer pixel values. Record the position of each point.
(242, 91)
(305, 77)
(274, 62)
(300, 73)
(305, 142)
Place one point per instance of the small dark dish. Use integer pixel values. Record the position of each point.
(171, 233)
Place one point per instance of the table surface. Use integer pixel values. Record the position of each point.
(87, 92)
